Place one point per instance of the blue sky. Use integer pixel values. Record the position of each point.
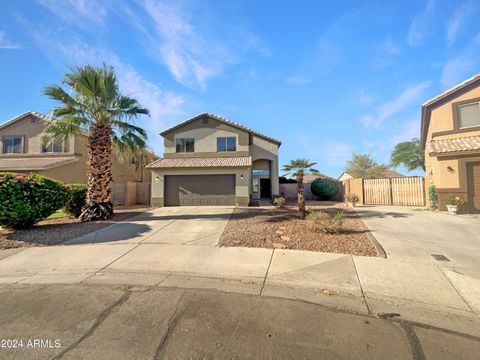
(327, 78)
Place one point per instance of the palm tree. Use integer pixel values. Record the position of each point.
(299, 167)
(92, 104)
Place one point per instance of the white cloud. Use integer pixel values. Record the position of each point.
(457, 70)
(5, 43)
(77, 11)
(363, 98)
(331, 153)
(390, 47)
(421, 24)
(337, 153)
(407, 97)
(62, 47)
(297, 80)
(191, 45)
(460, 16)
(406, 130)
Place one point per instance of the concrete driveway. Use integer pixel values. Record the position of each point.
(169, 225)
(414, 235)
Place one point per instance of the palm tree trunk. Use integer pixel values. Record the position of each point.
(301, 195)
(99, 194)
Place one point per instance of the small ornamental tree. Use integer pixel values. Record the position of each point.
(298, 167)
(27, 199)
(409, 154)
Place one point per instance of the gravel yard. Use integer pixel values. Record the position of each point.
(281, 228)
(56, 231)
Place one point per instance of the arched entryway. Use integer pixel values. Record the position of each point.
(261, 179)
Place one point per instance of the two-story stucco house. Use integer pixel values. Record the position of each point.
(209, 160)
(450, 137)
(22, 150)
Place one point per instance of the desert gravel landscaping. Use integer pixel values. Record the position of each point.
(282, 229)
(59, 230)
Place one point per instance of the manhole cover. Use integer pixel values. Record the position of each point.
(440, 257)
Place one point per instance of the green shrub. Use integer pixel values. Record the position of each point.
(284, 180)
(325, 189)
(433, 196)
(27, 199)
(77, 196)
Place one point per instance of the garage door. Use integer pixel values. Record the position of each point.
(185, 190)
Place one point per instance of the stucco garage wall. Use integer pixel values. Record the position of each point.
(242, 194)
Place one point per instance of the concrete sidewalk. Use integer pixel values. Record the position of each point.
(175, 248)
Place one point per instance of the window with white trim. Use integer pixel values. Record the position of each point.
(468, 115)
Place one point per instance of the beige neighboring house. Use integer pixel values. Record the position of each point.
(386, 174)
(210, 160)
(450, 137)
(23, 151)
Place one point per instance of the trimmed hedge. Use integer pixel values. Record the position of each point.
(77, 197)
(27, 199)
(324, 189)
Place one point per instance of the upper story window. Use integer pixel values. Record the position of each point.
(228, 143)
(54, 147)
(185, 145)
(13, 145)
(468, 115)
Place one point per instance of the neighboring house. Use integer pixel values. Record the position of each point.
(450, 137)
(209, 160)
(309, 178)
(385, 174)
(23, 151)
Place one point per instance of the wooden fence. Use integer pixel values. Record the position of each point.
(407, 191)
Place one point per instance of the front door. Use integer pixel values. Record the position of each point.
(265, 189)
(473, 182)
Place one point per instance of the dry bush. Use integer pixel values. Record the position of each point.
(328, 224)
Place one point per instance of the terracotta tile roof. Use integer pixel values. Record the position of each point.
(18, 163)
(445, 146)
(451, 90)
(226, 121)
(202, 162)
(391, 174)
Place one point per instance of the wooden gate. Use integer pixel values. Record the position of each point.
(409, 191)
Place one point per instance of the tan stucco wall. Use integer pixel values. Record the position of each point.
(242, 192)
(448, 174)
(264, 149)
(75, 172)
(31, 128)
(205, 136)
(441, 118)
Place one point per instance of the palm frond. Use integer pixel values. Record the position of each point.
(56, 92)
(61, 130)
(128, 144)
(124, 127)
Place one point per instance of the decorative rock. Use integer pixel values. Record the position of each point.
(279, 246)
(279, 233)
(285, 238)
